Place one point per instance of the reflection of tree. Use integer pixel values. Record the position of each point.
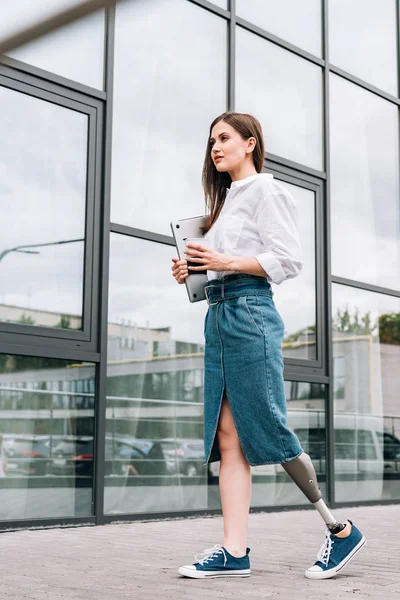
(64, 322)
(26, 320)
(361, 325)
(35, 363)
(387, 326)
(302, 333)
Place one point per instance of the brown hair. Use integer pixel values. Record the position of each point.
(214, 182)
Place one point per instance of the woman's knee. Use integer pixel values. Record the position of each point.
(228, 439)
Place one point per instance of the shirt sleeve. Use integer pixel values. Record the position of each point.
(277, 224)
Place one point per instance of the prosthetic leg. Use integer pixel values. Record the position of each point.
(301, 470)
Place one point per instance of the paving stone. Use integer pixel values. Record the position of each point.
(139, 560)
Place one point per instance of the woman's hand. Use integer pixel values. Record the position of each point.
(179, 270)
(207, 259)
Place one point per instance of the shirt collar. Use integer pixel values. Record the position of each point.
(240, 182)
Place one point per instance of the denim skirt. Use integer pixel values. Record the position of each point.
(243, 355)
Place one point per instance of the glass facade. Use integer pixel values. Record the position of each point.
(47, 408)
(104, 128)
(42, 254)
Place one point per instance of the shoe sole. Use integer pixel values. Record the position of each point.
(205, 575)
(332, 572)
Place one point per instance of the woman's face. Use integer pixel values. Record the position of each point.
(227, 143)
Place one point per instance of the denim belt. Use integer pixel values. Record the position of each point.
(230, 286)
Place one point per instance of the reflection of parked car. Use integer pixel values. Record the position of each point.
(360, 445)
(391, 452)
(184, 456)
(145, 456)
(26, 454)
(74, 456)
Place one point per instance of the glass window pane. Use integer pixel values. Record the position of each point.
(364, 185)
(285, 95)
(154, 384)
(170, 83)
(297, 22)
(43, 158)
(46, 437)
(155, 395)
(366, 354)
(75, 51)
(295, 298)
(221, 3)
(362, 40)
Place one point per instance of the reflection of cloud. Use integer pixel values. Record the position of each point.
(362, 40)
(294, 21)
(365, 185)
(143, 289)
(75, 51)
(295, 298)
(163, 110)
(43, 162)
(285, 94)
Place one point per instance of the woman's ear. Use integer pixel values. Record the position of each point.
(251, 144)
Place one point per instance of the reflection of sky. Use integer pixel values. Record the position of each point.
(143, 289)
(220, 3)
(365, 185)
(170, 83)
(75, 51)
(42, 199)
(362, 40)
(284, 91)
(295, 298)
(297, 22)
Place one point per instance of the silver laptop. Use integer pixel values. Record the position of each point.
(181, 230)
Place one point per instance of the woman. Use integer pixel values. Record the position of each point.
(252, 241)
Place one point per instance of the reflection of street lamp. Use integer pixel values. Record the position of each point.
(20, 248)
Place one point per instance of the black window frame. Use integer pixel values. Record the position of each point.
(26, 339)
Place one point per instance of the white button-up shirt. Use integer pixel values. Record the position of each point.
(259, 219)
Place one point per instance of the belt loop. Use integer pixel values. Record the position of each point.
(223, 290)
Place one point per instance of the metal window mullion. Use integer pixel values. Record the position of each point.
(101, 369)
(329, 405)
(231, 56)
(398, 45)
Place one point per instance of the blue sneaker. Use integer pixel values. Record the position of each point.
(217, 562)
(335, 553)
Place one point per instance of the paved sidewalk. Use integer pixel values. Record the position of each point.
(140, 560)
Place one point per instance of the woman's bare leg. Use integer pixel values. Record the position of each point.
(234, 484)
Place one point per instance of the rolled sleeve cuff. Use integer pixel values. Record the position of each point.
(272, 267)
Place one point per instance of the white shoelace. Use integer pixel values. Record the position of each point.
(207, 554)
(326, 549)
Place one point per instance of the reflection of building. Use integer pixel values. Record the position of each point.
(102, 145)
